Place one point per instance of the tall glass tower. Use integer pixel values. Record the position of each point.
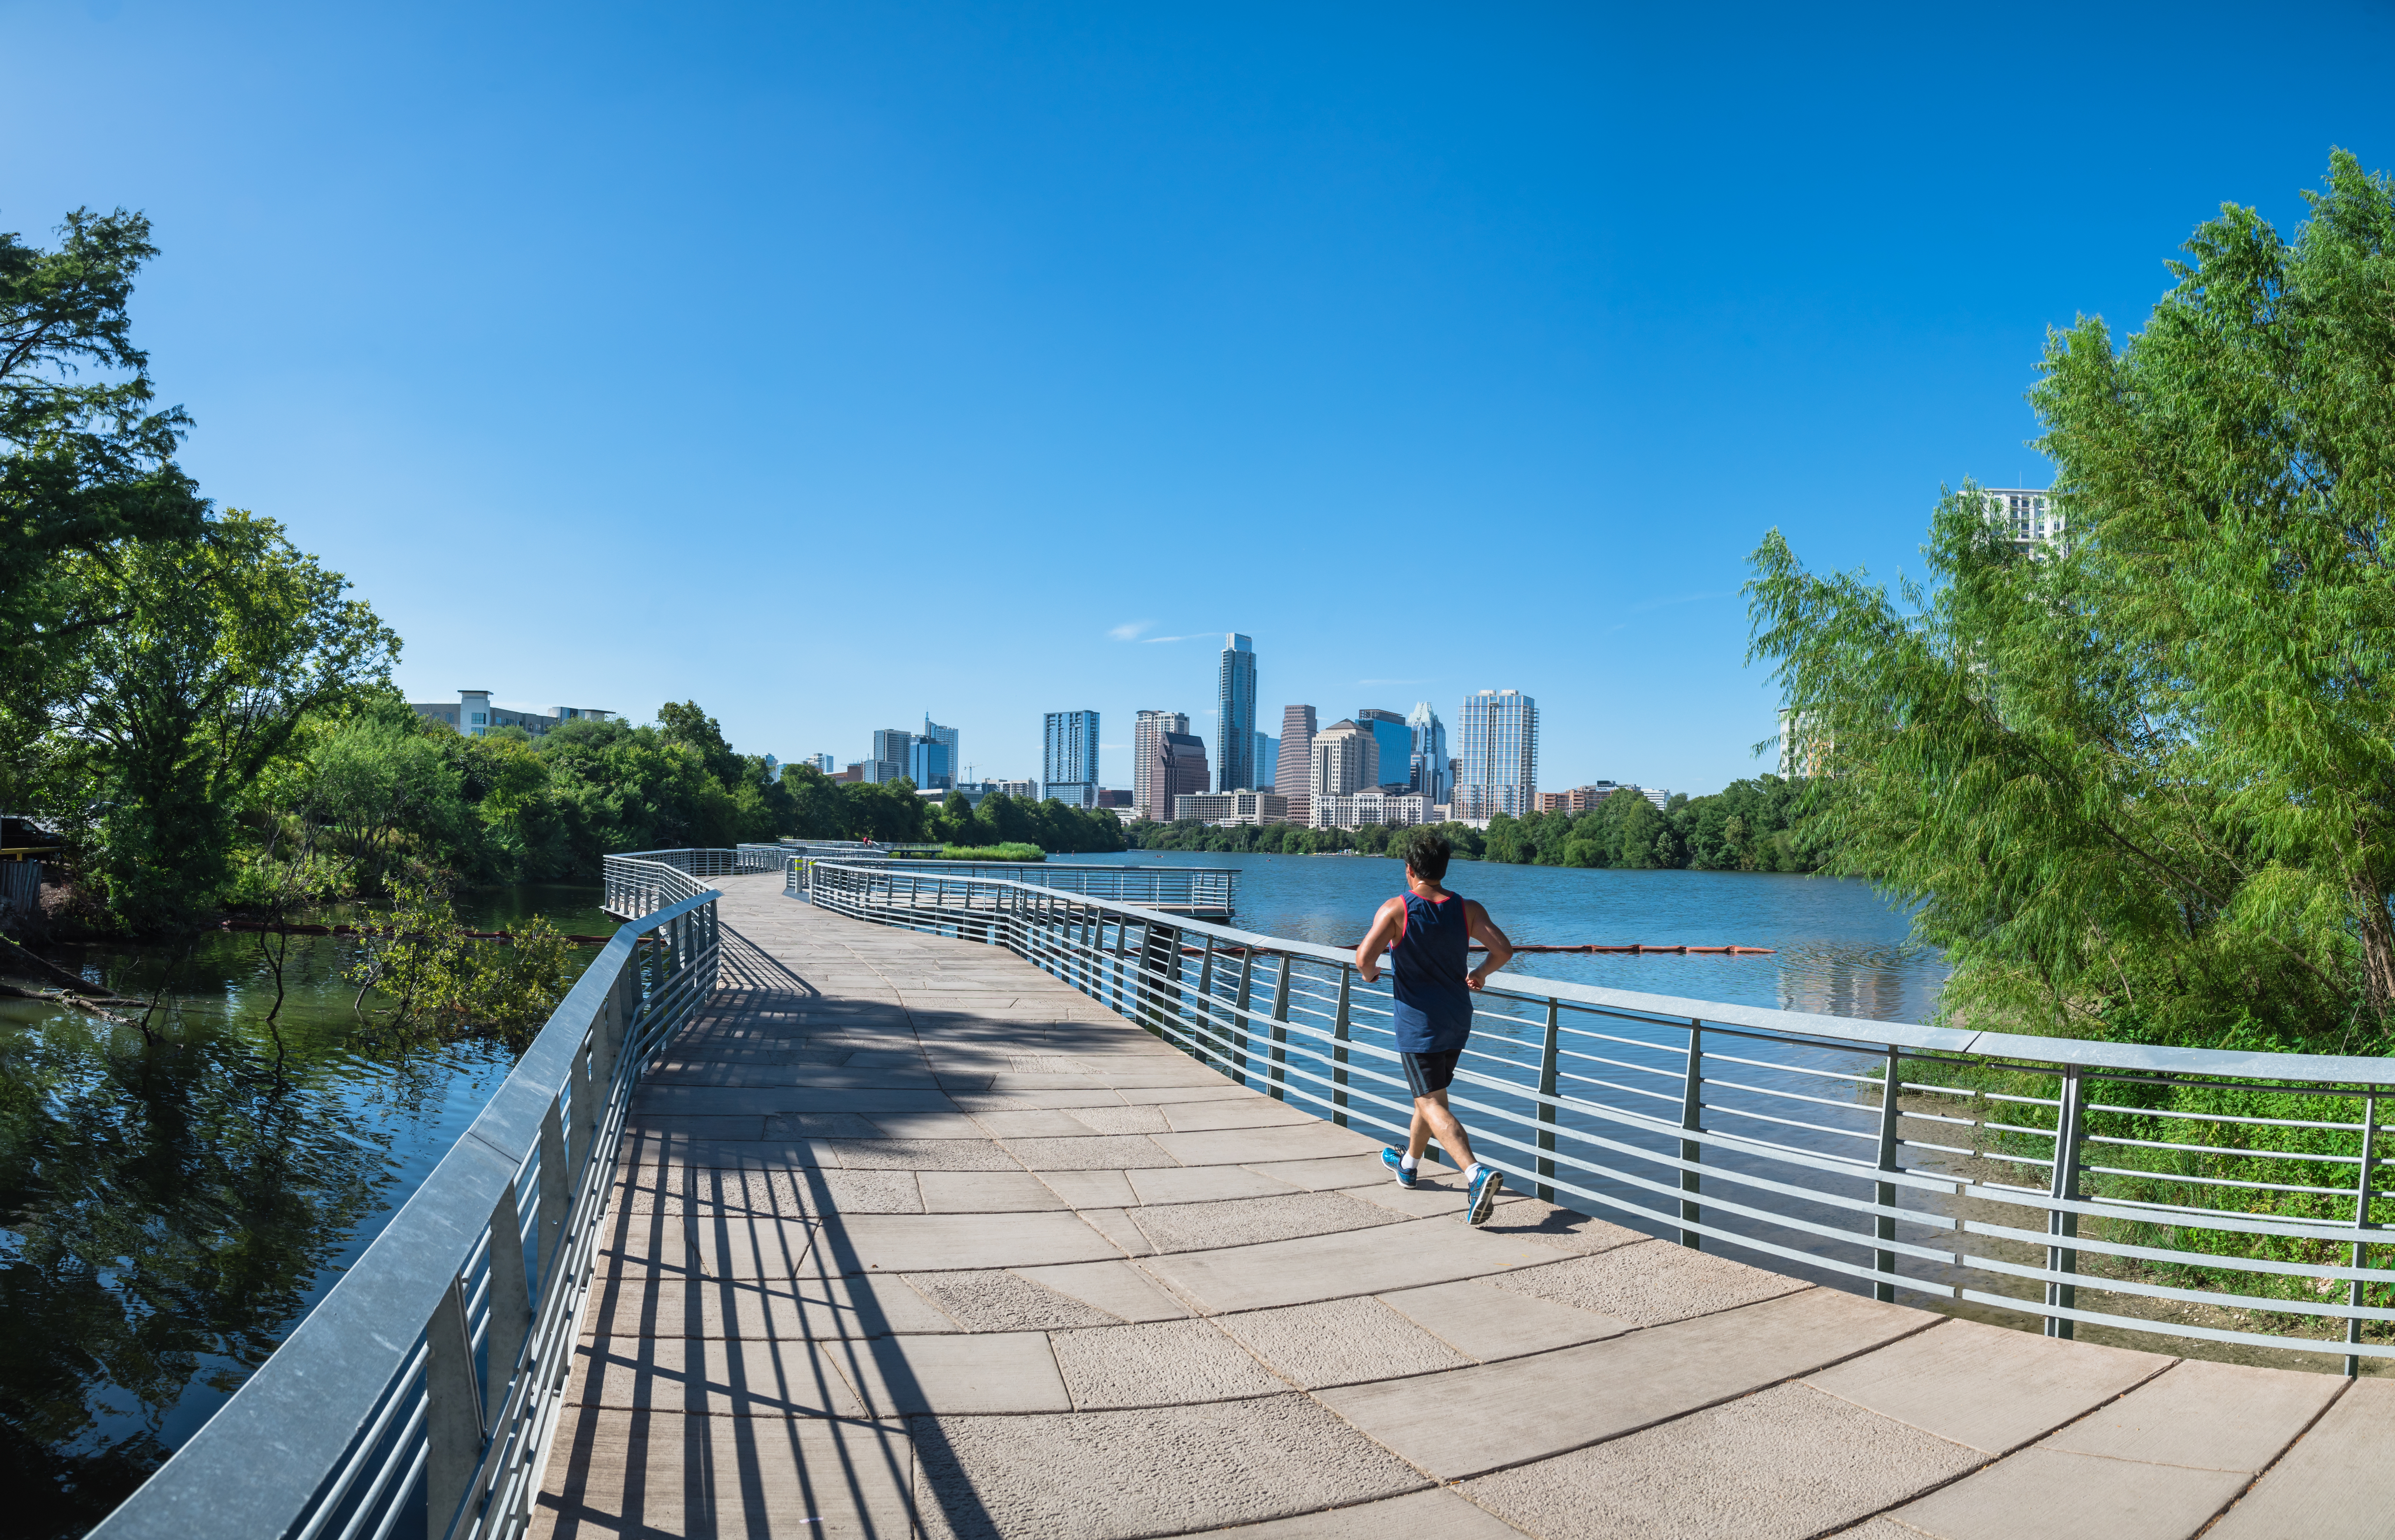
(1234, 717)
(1497, 734)
(1429, 758)
(1068, 758)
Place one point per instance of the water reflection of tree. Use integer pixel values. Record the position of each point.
(169, 1208)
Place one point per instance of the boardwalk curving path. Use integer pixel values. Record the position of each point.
(912, 1239)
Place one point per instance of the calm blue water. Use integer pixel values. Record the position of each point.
(1839, 948)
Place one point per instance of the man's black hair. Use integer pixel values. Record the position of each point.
(1426, 855)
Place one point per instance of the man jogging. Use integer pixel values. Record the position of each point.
(1427, 933)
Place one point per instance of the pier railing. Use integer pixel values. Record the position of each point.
(421, 1393)
(641, 881)
(1211, 891)
(2231, 1197)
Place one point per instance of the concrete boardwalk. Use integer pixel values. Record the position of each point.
(912, 1239)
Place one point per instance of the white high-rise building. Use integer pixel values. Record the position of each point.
(2030, 518)
(1497, 739)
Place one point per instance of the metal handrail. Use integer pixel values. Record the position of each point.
(639, 881)
(1214, 890)
(1741, 1140)
(437, 1365)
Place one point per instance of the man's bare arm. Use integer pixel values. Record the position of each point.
(1386, 924)
(1484, 932)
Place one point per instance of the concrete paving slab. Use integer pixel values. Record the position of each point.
(2022, 1387)
(616, 1475)
(1157, 1364)
(1324, 1175)
(985, 1192)
(1193, 1184)
(1219, 1089)
(1116, 1226)
(795, 1308)
(719, 1245)
(1310, 1140)
(1649, 1283)
(1091, 1189)
(925, 1125)
(1123, 1120)
(1029, 1101)
(1339, 1342)
(1467, 1422)
(776, 1100)
(1246, 1221)
(1528, 1219)
(1488, 1323)
(652, 1147)
(987, 1371)
(1031, 1123)
(2333, 1485)
(2059, 1496)
(1254, 1111)
(1785, 1464)
(997, 1300)
(2219, 1417)
(1118, 1288)
(656, 1126)
(720, 1377)
(1174, 1470)
(1089, 1152)
(932, 1242)
(920, 1154)
(1376, 1260)
(1437, 1514)
(682, 1190)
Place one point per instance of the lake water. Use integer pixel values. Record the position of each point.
(173, 1205)
(1837, 946)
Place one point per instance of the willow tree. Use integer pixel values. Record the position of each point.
(2141, 782)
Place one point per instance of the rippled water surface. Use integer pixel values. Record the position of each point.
(1837, 946)
(172, 1204)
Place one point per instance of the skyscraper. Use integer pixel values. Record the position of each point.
(1182, 773)
(1498, 733)
(946, 738)
(1148, 797)
(1397, 745)
(892, 753)
(1234, 717)
(1068, 758)
(1294, 776)
(1267, 759)
(1346, 761)
(1428, 779)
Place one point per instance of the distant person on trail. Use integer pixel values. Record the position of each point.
(1427, 933)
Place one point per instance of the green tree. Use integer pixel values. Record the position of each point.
(2144, 782)
(227, 644)
(682, 722)
(87, 461)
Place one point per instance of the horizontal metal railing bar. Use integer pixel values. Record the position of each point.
(2332, 1270)
(2173, 1178)
(2219, 1150)
(2224, 1117)
(2176, 1328)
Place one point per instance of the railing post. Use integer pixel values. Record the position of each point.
(1277, 1088)
(1338, 1050)
(453, 1416)
(1692, 1117)
(510, 1304)
(1549, 1054)
(1206, 997)
(2360, 1223)
(1883, 1227)
(1239, 1014)
(2061, 1225)
(556, 1193)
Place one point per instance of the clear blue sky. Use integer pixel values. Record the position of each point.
(830, 364)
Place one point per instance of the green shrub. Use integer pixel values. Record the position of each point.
(1011, 850)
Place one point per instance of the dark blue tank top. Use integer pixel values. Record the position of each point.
(1426, 969)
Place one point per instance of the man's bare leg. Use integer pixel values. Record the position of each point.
(1433, 1120)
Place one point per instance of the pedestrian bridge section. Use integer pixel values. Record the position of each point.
(911, 1237)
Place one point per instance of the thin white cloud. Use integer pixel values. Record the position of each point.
(1130, 631)
(1197, 636)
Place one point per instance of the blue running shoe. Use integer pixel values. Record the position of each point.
(1396, 1166)
(1483, 1201)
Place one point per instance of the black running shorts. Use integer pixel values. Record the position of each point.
(1429, 1072)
